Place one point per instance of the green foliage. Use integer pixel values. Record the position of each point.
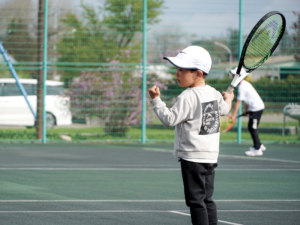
(20, 43)
(296, 36)
(83, 43)
(125, 18)
(280, 92)
(106, 38)
(100, 34)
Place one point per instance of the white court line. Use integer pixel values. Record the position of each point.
(258, 200)
(87, 211)
(84, 200)
(158, 150)
(226, 222)
(261, 170)
(259, 210)
(142, 200)
(130, 169)
(88, 169)
(221, 221)
(180, 213)
(230, 156)
(135, 211)
(258, 158)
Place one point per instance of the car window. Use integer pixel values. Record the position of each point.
(11, 89)
(55, 90)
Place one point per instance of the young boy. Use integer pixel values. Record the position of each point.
(196, 115)
(254, 107)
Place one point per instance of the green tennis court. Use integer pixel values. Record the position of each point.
(141, 185)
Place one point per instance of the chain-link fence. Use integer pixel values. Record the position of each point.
(94, 65)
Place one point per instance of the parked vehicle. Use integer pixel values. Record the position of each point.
(15, 111)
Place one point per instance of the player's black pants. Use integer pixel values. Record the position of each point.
(254, 119)
(198, 180)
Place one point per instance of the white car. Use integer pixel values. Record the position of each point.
(15, 111)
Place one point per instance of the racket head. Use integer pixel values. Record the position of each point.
(226, 122)
(260, 44)
(262, 41)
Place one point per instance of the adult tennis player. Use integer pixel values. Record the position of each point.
(196, 117)
(254, 107)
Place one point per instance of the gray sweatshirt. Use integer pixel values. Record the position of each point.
(196, 117)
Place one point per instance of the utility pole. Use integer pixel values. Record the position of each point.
(40, 41)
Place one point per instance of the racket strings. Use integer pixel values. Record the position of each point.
(261, 44)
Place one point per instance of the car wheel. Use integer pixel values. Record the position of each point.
(50, 120)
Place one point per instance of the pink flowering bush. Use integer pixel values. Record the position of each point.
(113, 95)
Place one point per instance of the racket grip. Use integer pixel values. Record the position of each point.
(230, 89)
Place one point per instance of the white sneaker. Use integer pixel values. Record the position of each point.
(254, 152)
(262, 147)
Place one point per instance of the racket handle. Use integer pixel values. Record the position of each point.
(230, 89)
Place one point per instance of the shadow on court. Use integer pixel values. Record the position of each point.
(141, 185)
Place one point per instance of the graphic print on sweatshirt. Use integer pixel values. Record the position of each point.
(210, 118)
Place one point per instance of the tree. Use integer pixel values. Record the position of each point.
(296, 37)
(19, 23)
(83, 44)
(125, 18)
(20, 43)
(109, 42)
(100, 34)
(286, 44)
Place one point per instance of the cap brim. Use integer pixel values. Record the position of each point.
(179, 63)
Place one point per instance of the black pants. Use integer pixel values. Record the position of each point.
(254, 119)
(198, 181)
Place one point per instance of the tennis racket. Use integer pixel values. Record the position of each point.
(260, 44)
(226, 122)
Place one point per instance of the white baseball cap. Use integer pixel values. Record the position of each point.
(192, 57)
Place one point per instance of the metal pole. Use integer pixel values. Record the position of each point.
(39, 94)
(239, 125)
(227, 49)
(144, 84)
(44, 138)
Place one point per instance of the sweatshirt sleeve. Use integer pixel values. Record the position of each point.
(178, 113)
(223, 106)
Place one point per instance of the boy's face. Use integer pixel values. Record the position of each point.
(186, 77)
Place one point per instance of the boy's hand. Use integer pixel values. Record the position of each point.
(228, 96)
(154, 91)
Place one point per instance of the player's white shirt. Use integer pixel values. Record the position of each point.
(249, 95)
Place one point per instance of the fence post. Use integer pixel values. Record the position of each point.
(144, 84)
(239, 125)
(45, 69)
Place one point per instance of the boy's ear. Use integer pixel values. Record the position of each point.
(200, 73)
